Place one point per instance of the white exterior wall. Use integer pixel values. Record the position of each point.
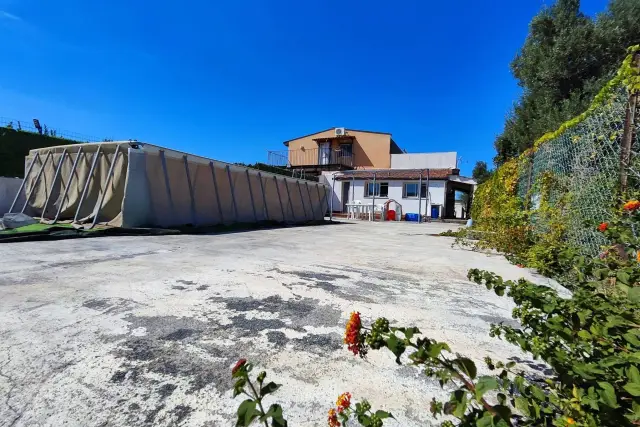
(8, 189)
(446, 160)
(356, 192)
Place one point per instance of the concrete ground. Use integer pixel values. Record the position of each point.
(134, 331)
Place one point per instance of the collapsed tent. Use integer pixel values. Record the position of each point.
(129, 184)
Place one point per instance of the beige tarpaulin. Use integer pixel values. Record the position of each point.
(135, 185)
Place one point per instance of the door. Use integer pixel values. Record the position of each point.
(346, 154)
(324, 153)
(345, 195)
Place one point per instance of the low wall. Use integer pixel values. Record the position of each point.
(8, 189)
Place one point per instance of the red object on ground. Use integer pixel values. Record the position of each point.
(391, 215)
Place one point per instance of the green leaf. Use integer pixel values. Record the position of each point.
(633, 389)
(396, 346)
(246, 413)
(510, 365)
(484, 384)
(634, 294)
(485, 421)
(503, 412)
(274, 410)
(410, 332)
(633, 374)
(364, 419)
(459, 399)
(467, 366)
(269, 388)
(623, 276)
(607, 394)
(382, 414)
(631, 339)
(522, 405)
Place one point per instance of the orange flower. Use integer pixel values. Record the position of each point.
(570, 421)
(238, 365)
(352, 336)
(638, 256)
(603, 227)
(631, 205)
(332, 419)
(344, 401)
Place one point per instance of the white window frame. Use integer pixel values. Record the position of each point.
(416, 183)
(378, 185)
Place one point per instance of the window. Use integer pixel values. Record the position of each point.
(379, 189)
(410, 190)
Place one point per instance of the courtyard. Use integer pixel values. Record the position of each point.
(133, 331)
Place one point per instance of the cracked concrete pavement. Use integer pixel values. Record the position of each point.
(135, 331)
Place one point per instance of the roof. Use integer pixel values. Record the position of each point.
(399, 174)
(286, 143)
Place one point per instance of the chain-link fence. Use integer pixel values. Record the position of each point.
(593, 164)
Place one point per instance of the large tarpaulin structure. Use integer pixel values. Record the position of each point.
(129, 184)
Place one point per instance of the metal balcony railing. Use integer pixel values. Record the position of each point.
(312, 157)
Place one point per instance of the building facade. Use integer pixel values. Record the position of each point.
(369, 167)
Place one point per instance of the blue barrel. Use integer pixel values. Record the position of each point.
(435, 212)
(412, 217)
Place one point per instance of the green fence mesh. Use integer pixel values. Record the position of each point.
(585, 164)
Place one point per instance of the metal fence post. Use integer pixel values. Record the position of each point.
(313, 211)
(106, 186)
(194, 217)
(264, 198)
(53, 183)
(628, 133)
(304, 209)
(286, 185)
(373, 200)
(284, 217)
(35, 184)
(167, 184)
(215, 187)
(66, 188)
(253, 205)
(86, 184)
(529, 179)
(333, 190)
(420, 198)
(233, 193)
(26, 175)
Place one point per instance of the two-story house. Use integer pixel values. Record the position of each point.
(350, 161)
(337, 149)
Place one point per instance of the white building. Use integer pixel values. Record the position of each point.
(436, 199)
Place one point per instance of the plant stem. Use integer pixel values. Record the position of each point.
(258, 399)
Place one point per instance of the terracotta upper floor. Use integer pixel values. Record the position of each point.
(343, 148)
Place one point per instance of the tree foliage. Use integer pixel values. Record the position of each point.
(566, 59)
(481, 172)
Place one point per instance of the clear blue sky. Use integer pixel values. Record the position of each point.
(233, 79)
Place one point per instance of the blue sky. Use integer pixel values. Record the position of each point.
(231, 80)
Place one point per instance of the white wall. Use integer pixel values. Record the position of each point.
(356, 192)
(8, 189)
(446, 160)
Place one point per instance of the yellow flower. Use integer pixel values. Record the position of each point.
(570, 421)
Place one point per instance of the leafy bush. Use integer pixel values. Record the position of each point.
(591, 341)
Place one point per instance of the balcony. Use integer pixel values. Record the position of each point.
(313, 159)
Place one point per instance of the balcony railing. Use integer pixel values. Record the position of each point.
(314, 157)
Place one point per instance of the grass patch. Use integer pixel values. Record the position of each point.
(34, 228)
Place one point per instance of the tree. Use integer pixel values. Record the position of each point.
(481, 172)
(565, 60)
